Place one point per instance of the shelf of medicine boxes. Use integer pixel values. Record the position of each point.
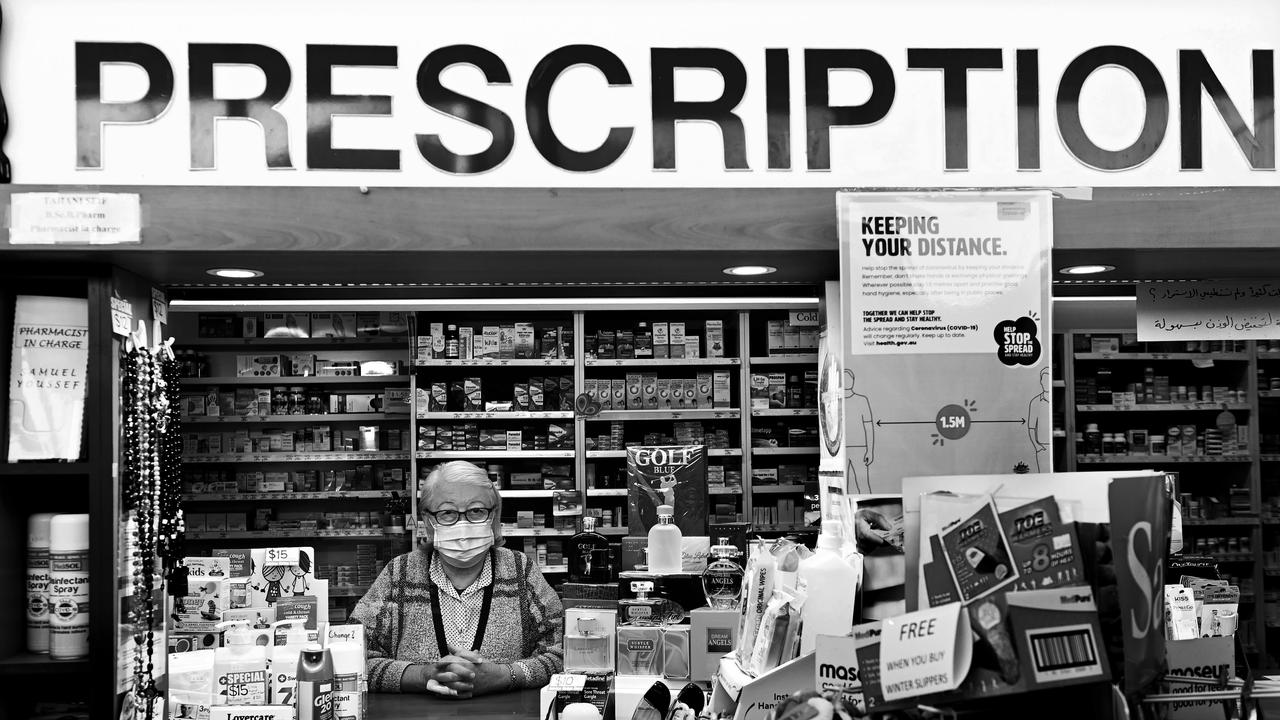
(1223, 356)
(807, 450)
(488, 362)
(261, 419)
(662, 362)
(306, 380)
(499, 415)
(255, 496)
(713, 452)
(383, 533)
(784, 412)
(793, 359)
(673, 414)
(308, 457)
(356, 343)
(1161, 459)
(1165, 407)
(777, 489)
(494, 453)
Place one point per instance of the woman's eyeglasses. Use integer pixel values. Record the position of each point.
(451, 517)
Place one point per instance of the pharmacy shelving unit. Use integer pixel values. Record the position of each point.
(91, 484)
(1235, 480)
(333, 546)
(498, 380)
(792, 360)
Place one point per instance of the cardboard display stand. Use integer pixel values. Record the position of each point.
(755, 698)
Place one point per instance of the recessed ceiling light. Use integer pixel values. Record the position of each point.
(234, 273)
(750, 270)
(1086, 269)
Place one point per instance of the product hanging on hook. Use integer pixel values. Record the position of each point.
(152, 479)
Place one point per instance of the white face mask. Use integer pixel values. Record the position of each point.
(463, 544)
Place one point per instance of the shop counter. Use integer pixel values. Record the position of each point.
(415, 706)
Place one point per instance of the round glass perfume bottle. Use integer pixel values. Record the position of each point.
(722, 580)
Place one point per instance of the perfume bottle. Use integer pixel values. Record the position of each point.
(722, 580)
(665, 543)
(582, 552)
(641, 610)
(587, 649)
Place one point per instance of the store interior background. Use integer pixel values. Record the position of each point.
(383, 244)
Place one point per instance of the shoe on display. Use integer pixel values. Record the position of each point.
(655, 703)
(688, 704)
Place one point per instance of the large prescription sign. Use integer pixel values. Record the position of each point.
(758, 93)
(945, 325)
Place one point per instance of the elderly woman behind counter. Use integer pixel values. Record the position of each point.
(461, 616)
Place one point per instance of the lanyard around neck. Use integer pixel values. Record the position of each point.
(442, 643)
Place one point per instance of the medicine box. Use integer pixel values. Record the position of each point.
(466, 342)
(619, 388)
(775, 340)
(661, 339)
(215, 522)
(362, 403)
(490, 342)
(704, 392)
(759, 391)
(635, 391)
(333, 325)
(692, 346)
(537, 395)
(649, 390)
(259, 365)
(524, 340)
(506, 341)
(665, 400)
(777, 390)
(721, 395)
(286, 325)
(473, 402)
(715, 338)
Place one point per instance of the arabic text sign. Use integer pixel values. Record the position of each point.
(1232, 309)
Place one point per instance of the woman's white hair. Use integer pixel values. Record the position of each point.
(460, 472)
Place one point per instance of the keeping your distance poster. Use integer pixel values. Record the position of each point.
(946, 335)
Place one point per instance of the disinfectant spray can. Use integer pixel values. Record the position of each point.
(315, 684)
(69, 587)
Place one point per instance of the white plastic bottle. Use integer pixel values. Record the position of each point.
(831, 586)
(239, 667)
(38, 582)
(664, 543)
(69, 587)
(284, 661)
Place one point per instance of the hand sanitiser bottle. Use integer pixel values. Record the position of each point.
(664, 543)
(239, 667)
(831, 588)
(284, 661)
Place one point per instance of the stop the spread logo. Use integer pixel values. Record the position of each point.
(1017, 342)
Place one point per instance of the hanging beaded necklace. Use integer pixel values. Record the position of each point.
(152, 480)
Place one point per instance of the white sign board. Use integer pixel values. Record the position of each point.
(925, 652)
(946, 330)
(51, 218)
(1230, 310)
(47, 380)
(653, 93)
